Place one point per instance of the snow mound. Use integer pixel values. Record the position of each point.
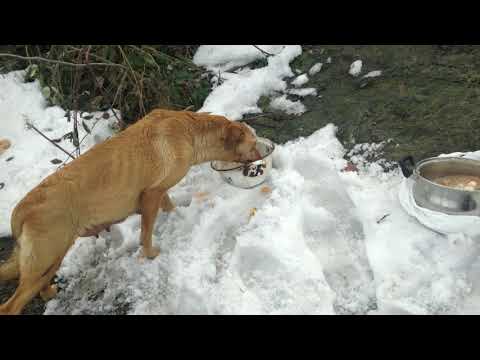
(315, 69)
(239, 94)
(300, 80)
(215, 260)
(372, 74)
(226, 57)
(355, 68)
(290, 107)
(303, 92)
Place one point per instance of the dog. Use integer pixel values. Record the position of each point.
(130, 173)
(4, 145)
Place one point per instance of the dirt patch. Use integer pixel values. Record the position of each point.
(425, 101)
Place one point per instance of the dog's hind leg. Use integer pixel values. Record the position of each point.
(9, 269)
(38, 262)
(29, 286)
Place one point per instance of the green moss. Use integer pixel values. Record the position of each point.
(426, 101)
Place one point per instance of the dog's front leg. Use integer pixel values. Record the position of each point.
(149, 205)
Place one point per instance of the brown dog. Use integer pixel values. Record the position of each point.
(127, 174)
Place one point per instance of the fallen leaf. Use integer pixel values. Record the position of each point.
(87, 129)
(350, 167)
(200, 195)
(266, 190)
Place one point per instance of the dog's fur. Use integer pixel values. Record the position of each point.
(127, 174)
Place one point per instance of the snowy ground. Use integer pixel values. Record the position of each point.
(315, 245)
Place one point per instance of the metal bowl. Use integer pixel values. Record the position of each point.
(436, 197)
(250, 175)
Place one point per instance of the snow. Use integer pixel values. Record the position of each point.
(300, 80)
(290, 107)
(373, 74)
(316, 244)
(239, 93)
(22, 103)
(226, 57)
(315, 69)
(356, 68)
(303, 92)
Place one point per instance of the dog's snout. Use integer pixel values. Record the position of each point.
(256, 154)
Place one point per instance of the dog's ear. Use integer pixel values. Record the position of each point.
(233, 135)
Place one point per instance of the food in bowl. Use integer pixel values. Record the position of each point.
(445, 184)
(460, 182)
(252, 174)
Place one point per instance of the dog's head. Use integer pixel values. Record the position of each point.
(240, 143)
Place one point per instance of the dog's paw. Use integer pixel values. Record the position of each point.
(150, 253)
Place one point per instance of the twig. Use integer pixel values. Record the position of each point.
(75, 105)
(51, 141)
(121, 122)
(267, 54)
(118, 88)
(136, 80)
(219, 78)
(26, 51)
(39, 58)
(172, 58)
(257, 116)
(261, 124)
(81, 141)
(106, 61)
(383, 218)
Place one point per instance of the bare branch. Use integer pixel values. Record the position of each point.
(142, 106)
(267, 54)
(39, 58)
(51, 141)
(383, 218)
(258, 116)
(81, 141)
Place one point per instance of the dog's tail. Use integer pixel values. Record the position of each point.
(9, 270)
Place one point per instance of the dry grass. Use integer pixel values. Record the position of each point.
(131, 78)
